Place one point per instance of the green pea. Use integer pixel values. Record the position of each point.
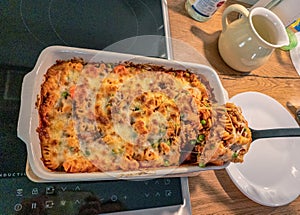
(235, 155)
(200, 138)
(202, 165)
(168, 142)
(65, 94)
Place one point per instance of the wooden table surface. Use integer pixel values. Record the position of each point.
(213, 192)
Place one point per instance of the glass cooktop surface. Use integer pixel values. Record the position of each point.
(27, 27)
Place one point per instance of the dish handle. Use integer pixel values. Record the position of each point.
(23, 130)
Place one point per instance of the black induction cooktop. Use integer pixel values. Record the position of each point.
(27, 27)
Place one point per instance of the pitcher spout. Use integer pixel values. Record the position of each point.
(273, 33)
(285, 41)
(283, 38)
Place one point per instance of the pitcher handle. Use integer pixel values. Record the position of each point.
(233, 8)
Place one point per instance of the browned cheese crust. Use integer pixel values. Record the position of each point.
(59, 143)
(106, 117)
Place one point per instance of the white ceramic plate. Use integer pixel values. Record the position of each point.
(270, 174)
(295, 54)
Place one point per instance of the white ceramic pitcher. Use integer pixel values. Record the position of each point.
(246, 43)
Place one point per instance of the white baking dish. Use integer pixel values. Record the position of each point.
(28, 117)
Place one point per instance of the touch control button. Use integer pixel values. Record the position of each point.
(49, 204)
(35, 191)
(19, 192)
(168, 193)
(50, 190)
(167, 181)
(18, 207)
(114, 198)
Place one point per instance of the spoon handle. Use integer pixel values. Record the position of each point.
(275, 132)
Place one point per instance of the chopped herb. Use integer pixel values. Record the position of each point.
(72, 149)
(176, 97)
(155, 145)
(87, 153)
(162, 130)
(182, 116)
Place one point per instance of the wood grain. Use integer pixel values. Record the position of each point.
(213, 192)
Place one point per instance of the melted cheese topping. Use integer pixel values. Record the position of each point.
(105, 117)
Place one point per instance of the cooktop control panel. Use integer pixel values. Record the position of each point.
(26, 197)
